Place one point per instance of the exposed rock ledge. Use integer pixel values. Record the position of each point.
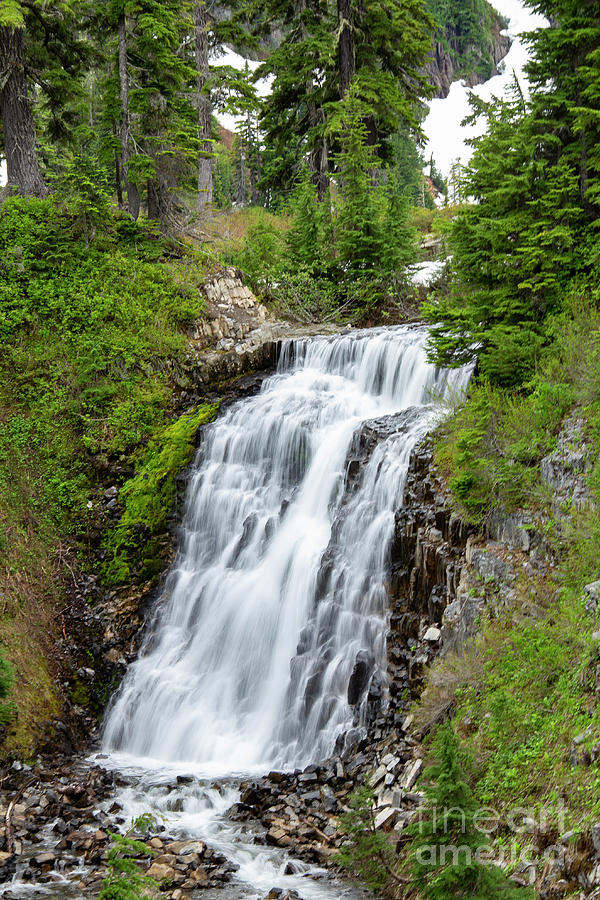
(444, 574)
(238, 335)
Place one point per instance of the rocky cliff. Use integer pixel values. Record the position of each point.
(446, 64)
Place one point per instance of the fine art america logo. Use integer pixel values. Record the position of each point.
(512, 849)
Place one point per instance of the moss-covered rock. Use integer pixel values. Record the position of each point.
(135, 544)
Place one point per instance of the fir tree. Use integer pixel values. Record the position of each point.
(43, 56)
(309, 237)
(384, 44)
(448, 852)
(372, 235)
(536, 181)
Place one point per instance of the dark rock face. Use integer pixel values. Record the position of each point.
(427, 561)
(359, 679)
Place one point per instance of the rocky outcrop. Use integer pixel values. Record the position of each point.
(445, 574)
(444, 65)
(565, 470)
(428, 559)
(237, 335)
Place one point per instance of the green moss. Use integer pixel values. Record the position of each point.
(80, 693)
(148, 498)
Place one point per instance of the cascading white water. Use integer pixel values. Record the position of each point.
(280, 581)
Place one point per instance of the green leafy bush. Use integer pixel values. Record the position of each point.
(124, 879)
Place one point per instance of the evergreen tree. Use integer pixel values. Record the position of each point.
(42, 55)
(309, 239)
(384, 44)
(448, 852)
(514, 251)
(153, 77)
(565, 82)
(372, 235)
(302, 67)
(406, 164)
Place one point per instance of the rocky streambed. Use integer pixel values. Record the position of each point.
(230, 838)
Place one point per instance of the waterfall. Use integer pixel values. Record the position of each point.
(269, 640)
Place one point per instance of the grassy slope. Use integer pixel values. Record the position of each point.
(527, 686)
(89, 341)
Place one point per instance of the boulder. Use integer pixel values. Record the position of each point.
(161, 873)
(591, 597)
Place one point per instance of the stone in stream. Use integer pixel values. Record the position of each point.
(162, 873)
(281, 894)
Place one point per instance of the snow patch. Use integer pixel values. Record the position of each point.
(425, 273)
(445, 135)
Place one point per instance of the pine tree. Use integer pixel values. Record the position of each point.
(448, 848)
(293, 119)
(43, 49)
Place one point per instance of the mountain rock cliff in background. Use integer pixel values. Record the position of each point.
(469, 43)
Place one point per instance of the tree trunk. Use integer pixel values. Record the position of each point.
(345, 45)
(133, 195)
(317, 158)
(22, 164)
(153, 201)
(118, 171)
(241, 192)
(205, 186)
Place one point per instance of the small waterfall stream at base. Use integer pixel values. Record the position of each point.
(268, 645)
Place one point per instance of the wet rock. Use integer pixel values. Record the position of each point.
(281, 894)
(43, 861)
(360, 676)
(162, 873)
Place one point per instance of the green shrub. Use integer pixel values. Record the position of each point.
(490, 447)
(124, 880)
(366, 851)
(448, 822)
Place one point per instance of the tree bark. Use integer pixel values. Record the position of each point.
(133, 195)
(345, 45)
(23, 168)
(317, 158)
(205, 185)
